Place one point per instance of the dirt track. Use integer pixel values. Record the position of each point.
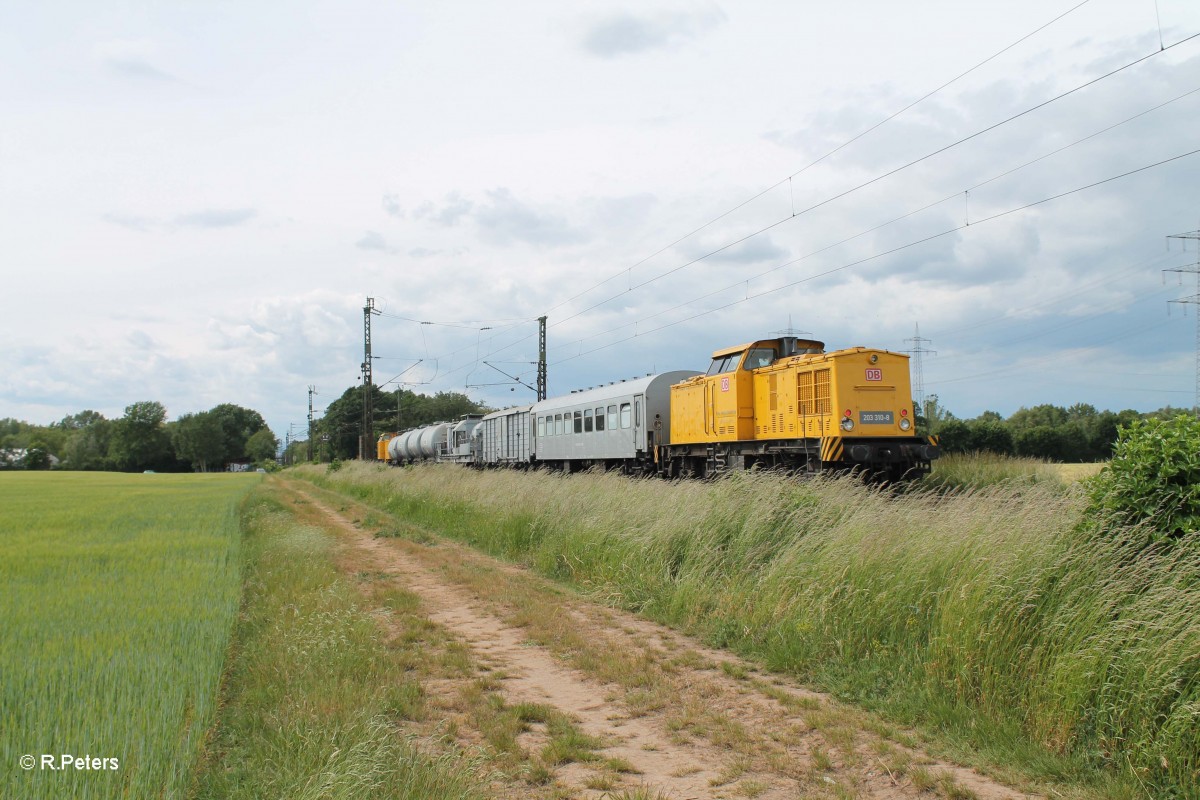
(681, 720)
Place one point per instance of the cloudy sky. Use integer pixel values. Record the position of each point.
(196, 198)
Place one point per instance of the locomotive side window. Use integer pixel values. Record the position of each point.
(723, 364)
(579, 422)
(599, 419)
(624, 415)
(759, 357)
(587, 420)
(612, 418)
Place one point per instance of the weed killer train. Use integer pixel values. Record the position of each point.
(774, 403)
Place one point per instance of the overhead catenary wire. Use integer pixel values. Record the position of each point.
(469, 324)
(748, 296)
(834, 151)
(882, 225)
(890, 251)
(448, 355)
(872, 181)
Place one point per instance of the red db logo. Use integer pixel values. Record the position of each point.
(874, 374)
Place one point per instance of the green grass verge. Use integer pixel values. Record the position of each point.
(119, 596)
(979, 616)
(981, 470)
(315, 693)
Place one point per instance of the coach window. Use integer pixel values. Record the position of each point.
(579, 422)
(612, 418)
(541, 426)
(558, 425)
(599, 419)
(624, 415)
(587, 420)
(637, 412)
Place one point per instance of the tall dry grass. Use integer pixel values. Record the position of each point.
(983, 614)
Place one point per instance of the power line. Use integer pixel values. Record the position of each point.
(835, 150)
(826, 248)
(1193, 300)
(872, 181)
(919, 350)
(1070, 295)
(1121, 306)
(465, 324)
(834, 270)
(890, 251)
(1127, 333)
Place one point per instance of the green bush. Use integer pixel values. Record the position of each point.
(1153, 479)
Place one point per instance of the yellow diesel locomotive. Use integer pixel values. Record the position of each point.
(786, 403)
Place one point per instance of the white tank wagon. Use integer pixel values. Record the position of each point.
(617, 425)
(432, 443)
(412, 445)
(397, 452)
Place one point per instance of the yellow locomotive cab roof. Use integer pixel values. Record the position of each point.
(728, 351)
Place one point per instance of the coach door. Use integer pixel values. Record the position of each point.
(639, 426)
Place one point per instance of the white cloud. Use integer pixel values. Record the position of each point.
(627, 33)
(216, 218)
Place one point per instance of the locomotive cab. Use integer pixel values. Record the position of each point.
(720, 404)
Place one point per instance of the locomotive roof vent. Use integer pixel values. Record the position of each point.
(795, 346)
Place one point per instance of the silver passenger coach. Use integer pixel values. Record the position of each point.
(617, 424)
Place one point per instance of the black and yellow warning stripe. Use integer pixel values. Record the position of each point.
(831, 449)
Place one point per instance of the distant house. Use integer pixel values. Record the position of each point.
(14, 458)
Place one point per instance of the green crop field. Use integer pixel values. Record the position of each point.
(119, 596)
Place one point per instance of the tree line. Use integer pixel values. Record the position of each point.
(141, 440)
(1076, 434)
(209, 440)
